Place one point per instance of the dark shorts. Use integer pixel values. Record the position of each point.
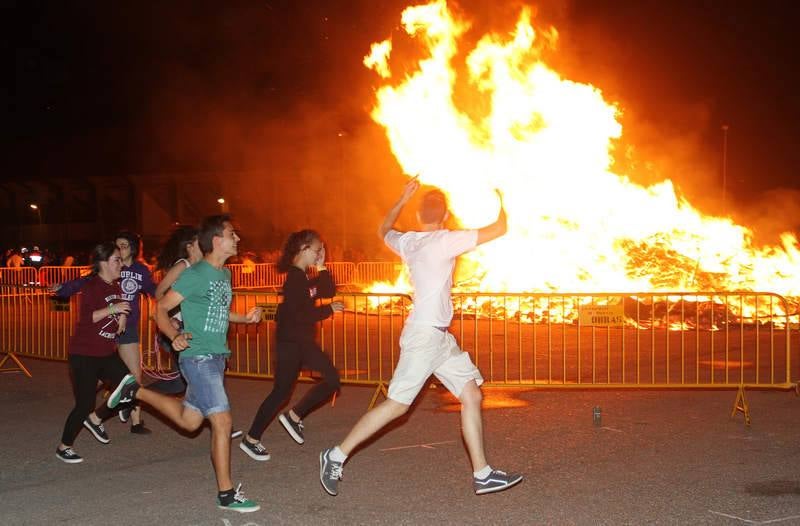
(131, 335)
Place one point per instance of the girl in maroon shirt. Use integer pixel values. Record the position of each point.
(92, 349)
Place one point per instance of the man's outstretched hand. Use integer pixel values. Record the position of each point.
(411, 186)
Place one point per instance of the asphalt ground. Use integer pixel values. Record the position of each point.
(658, 457)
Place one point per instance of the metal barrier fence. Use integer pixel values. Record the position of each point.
(18, 276)
(53, 275)
(266, 275)
(642, 340)
(256, 275)
(243, 276)
(675, 340)
(368, 272)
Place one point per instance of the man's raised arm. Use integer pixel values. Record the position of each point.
(394, 212)
(496, 229)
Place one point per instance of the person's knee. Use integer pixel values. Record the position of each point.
(281, 392)
(471, 396)
(332, 380)
(395, 409)
(221, 421)
(191, 424)
(190, 420)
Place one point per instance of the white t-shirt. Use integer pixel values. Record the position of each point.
(431, 257)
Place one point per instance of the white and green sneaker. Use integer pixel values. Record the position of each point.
(238, 502)
(124, 393)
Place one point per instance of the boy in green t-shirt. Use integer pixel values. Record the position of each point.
(204, 294)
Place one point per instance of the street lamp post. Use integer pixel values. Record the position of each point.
(38, 211)
(340, 143)
(724, 167)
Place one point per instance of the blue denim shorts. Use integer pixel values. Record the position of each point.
(205, 389)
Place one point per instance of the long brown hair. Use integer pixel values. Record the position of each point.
(296, 242)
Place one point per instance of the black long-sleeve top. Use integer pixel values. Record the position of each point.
(299, 312)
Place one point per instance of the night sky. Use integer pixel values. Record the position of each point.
(153, 87)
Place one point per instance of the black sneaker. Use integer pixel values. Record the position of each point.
(139, 429)
(295, 429)
(256, 451)
(330, 472)
(496, 481)
(124, 414)
(68, 455)
(124, 393)
(98, 431)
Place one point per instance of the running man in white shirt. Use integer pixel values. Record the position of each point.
(426, 346)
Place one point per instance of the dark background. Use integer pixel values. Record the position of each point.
(277, 88)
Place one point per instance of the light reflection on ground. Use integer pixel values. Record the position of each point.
(492, 399)
(721, 364)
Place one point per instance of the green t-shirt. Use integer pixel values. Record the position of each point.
(205, 308)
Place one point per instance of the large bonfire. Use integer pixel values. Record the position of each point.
(574, 223)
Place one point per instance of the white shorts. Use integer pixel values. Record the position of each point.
(424, 351)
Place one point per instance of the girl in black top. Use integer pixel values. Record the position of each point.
(296, 345)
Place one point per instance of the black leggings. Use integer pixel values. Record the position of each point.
(292, 357)
(86, 370)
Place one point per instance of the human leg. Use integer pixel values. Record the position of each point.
(315, 359)
(187, 418)
(286, 373)
(462, 378)
(419, 357)
(205, 393)
(221, 424)
(84, 373)
(130, 354)
(371, 422)
(472, 424)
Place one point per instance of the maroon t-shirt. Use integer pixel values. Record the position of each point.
(90, 338)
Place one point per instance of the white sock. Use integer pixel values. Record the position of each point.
(337, 455)
(485, 472)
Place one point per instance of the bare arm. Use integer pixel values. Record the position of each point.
(253, 316)
(171, 300)
(122, 307)
(496, 229)
(394, 212)
(169, 278)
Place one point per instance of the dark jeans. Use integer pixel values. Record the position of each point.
(86, 370)
(292, 357)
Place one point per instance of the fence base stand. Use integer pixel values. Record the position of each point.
(741, 405)
(19, 368)
(380, 389)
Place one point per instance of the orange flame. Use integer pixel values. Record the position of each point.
(574, 224)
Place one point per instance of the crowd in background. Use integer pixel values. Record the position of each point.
(37, 257)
